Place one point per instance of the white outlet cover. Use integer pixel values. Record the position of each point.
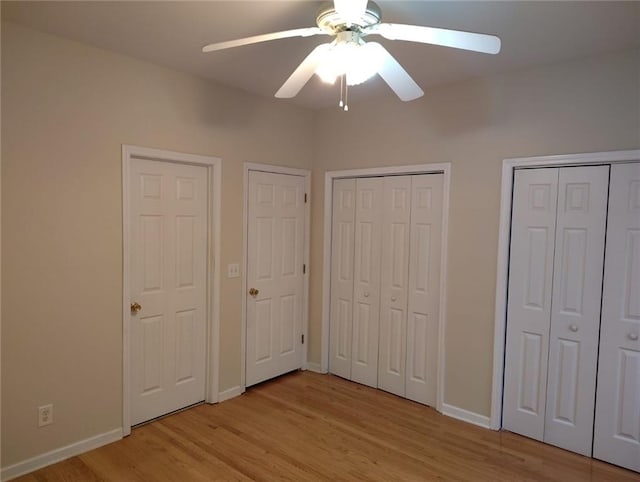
(233, 270)
(45, 415)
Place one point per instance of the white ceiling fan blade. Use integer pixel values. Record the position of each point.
(303, 73)
(477, 42)
(395, 76)
(350, 10)
(299, 32)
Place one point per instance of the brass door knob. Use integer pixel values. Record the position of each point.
(135, 307)
(254, 292)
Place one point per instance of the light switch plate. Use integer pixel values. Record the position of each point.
(233, 270)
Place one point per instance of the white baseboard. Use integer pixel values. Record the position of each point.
(77, 448)
(315, 367)
(230, 393)
(465, 415)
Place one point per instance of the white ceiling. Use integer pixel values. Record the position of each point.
(173, 33)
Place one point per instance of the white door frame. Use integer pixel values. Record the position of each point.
(443, 168)
(306, 174)
(213, 166)
(502, 274)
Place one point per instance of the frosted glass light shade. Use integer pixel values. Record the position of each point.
(359, 62)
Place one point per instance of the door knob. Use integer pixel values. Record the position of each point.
(366, 294)
(573, 328)
(393, 298)
(254, 292)
(135, 307)
(632, 336)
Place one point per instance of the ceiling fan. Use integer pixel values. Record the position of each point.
(351, 59)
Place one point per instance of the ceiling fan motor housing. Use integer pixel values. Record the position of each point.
(329, 20)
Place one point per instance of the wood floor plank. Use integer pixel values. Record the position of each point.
(306, 426)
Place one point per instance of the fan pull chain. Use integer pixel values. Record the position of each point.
(343, 93)
(346, 96)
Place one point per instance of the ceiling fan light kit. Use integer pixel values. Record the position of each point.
(353, 60)
(350, 56)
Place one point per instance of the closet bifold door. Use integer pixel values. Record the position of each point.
(533, 222)
(410, 286)
(342, 265)
(396, 228)
(575, 307)
(423, 308)
(366, 286)
(617, 415)
(553, 310)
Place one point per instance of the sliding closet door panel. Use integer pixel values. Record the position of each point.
(575, 306)
(424, 288)
(366, 312)
(529, 302)
(342, 265)
(617, 419)
(396, 207)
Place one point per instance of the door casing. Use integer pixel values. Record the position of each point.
(306, 174)
(502, 272)
(445, 169)
(213, 166)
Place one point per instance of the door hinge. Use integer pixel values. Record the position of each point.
(305, 198)
(304, 269)
(303, 339)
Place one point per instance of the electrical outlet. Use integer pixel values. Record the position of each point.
(233, 270)
(45, 415)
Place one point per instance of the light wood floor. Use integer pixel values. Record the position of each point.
(306, 426)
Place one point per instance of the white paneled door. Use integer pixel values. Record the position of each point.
(342, 252)
(617, 418)
(533, 224)
(275, 247)
(366, 290)
(423, 298)
(575, 306)
(168, 263)
(396, 229)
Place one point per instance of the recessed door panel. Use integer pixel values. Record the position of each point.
(264, 248)
(185, 246)
(575, 311)
(530, 364)
(536, 279)
(566, 379)
(185, 357)
(631, 286)
(574, 260)
(627, 421)
(417, 337)
(617, 413)
(264, 330)
(288, 331)
(152, 351)
(288, 246)
(151, 250)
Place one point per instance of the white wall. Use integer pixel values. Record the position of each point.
(67, 109)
